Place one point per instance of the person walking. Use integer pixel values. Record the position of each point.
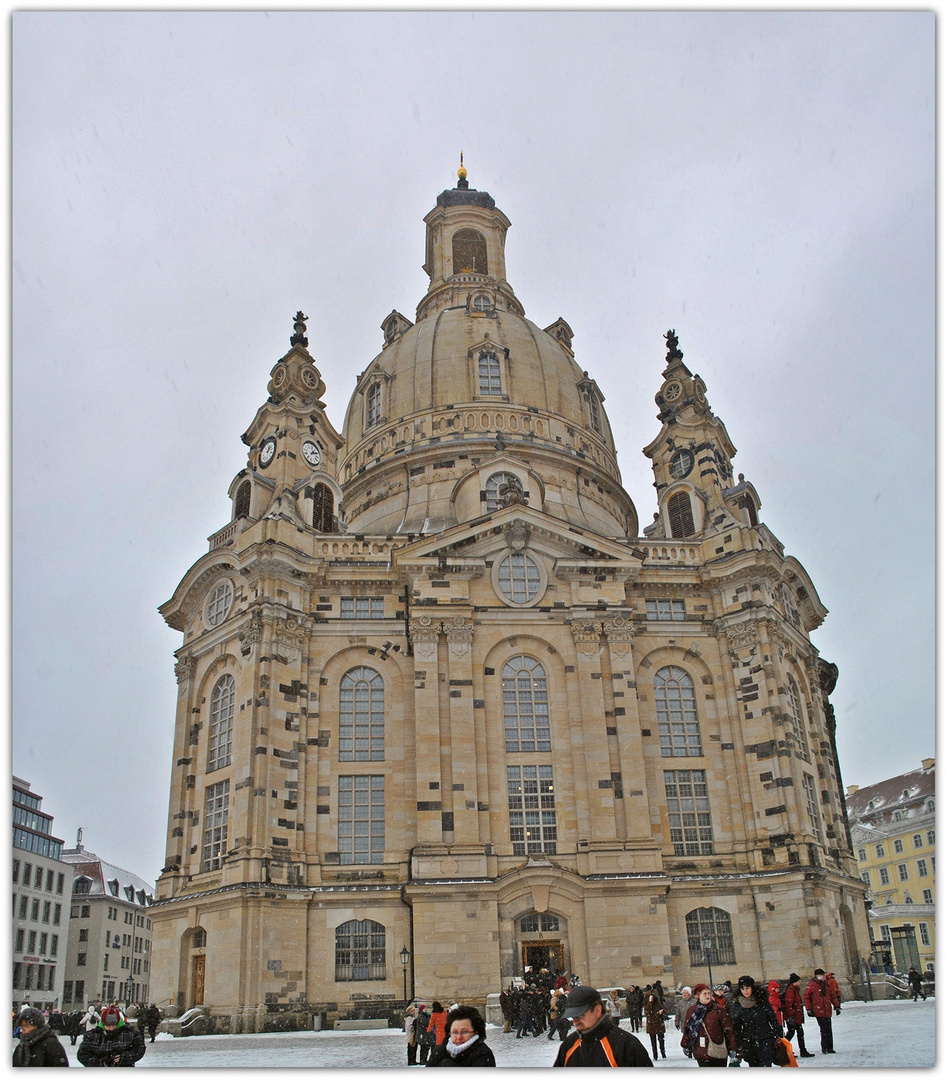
(794, 1014)
(598, 1041)
(38, 1045)
(423, 1036)
(152, 1020)
(438, 1023)
(683, 1007)
(754, 1024)
(775, 998)
(708, 1036)
(466, 1042)
(112, 1042)
(655, 1018)
(634, 1001)
(818, 1000)
(914, 982)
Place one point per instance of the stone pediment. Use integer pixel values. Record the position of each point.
(512, 527)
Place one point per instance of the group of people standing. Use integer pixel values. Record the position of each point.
(108, 1039)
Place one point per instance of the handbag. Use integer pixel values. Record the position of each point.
(715, 1049)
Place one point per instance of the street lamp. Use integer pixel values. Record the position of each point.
(708, 945)
(405, 956)
(129, 989)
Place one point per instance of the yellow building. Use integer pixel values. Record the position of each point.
(893, 832)
(444, 711)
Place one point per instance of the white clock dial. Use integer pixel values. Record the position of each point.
(267, 450)
(311, 453)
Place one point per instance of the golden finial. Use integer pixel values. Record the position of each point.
(461, 172)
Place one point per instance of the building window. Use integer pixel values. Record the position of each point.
(361, 819)
(80, 959)
(221, 723)
(67, 992)
(525, 706)
(812, 805)
(688, 807)
(539, 923)
(362, 607)
(24, 901)
(60, 881)
(902, 871)
(595, 413)
(488, 372)
(34, 911)
(930, 837)
(482, 304)
(57, 914)
(930, 806)
(866, 877)
(54, 945)
(927, 896)
(713, 926)
(922, 867)
(362, 716)
(218, 603)
(47, 910)
(898, 847)
(531, 800)
(676, 705)
(665, 610)
(492, 490)
(680, 515)
(84, 934)
(880, 851)
(908, 898)
(359, 951)
(16, 871)
(918, 840)
(373, 405)
(216, 813)
(469, 252)
(323, 509)
(924, 934)
(862, 855)
(20, 935)
(796, 715)
(518, 578)
(241, 504)
(883, 875)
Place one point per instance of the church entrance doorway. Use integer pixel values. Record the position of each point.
(543, 954)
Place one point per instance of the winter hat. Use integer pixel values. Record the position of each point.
(721, 989)
(818, 971)
(698, 987)
(580, 1001)
(111, 1017)
(746, 980)
(31, 1016)
(793, 977)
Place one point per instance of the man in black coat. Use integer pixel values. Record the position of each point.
(112, 1042)
(597, 1042)
(38, 1044)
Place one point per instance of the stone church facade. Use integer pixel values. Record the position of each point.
(445, 711)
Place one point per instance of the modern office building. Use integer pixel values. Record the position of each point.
(444, 709)
(42, 883)
(894, 834)
(109, 957)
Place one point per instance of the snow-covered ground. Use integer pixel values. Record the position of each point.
(881, 1034)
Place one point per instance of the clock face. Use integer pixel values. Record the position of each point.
(681, 464)
(267, 450)
(672, 391)
(309, 377)
(311, 453)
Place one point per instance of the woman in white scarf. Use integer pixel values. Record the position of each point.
(466, 1041)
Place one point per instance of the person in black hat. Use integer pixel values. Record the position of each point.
(819, 1002)
(597, 1042)
(756, 1025)
(38, 1045)
(794, 1014)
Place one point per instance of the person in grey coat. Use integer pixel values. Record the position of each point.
(680, 1012)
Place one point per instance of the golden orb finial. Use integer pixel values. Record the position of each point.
(461, 172)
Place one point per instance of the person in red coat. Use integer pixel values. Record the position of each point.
(707, 1021)
(820, 1003)
(775, 999)
(794, 1015)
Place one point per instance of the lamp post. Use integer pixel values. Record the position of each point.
(708, 945)
(869, 901)
(129, 989)
(405, 956)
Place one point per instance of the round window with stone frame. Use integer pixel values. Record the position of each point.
(519, 580)
(482, 304)
(218, 603)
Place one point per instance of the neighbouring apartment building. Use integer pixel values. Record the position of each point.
(109, 957)
(445, 711)
(42, 883)
(894, 832)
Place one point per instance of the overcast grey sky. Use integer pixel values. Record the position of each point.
(183, 182)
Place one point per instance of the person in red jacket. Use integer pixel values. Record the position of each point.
(794, 1015)
(775, 999)
(438, 1023)
(820, 1002)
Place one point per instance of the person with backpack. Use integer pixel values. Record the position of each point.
(794, 1015)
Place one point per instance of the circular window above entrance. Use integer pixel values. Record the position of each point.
(519, 580)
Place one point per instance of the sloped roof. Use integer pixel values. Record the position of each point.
(906, 792)
(104, 874)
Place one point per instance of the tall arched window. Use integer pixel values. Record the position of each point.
(796, 714)
(709, 933)
(323, 508)
(488, 372)
(373, 405)
(525, 706)
(362, 716)
(241, 504)
(680, 515)
(359, 950)
(221, 723)
(492, 490)
(676, 704)
(469, 251)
